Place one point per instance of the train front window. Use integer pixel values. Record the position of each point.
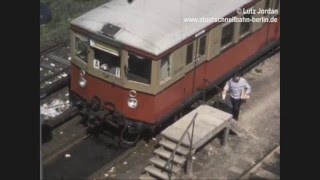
(107, 62)
(81, 48)
(189, 57)
(139, 69)
(165, 69)
(202, 48)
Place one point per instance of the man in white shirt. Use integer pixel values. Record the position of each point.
(239, 90)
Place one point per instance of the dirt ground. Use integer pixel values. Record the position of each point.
(259, 118)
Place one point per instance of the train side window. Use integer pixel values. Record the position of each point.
(267, 4)
(245, 26)
(227, 35)
(202, 47)
(189, 53)
(165, 69)
(81, 48)
(276, 5)
(139, 69)
(107, 62)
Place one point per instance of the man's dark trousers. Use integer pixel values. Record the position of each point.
(236, 103)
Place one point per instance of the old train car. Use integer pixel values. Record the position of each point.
(134, 65)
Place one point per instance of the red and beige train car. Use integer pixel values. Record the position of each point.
(135, 65)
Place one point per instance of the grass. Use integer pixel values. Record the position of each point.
(63, 11)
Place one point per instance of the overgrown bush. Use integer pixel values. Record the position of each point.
(63, 11)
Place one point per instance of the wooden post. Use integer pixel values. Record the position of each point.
(189, 166)
(189, 163)
(204, 96)
(226, 135)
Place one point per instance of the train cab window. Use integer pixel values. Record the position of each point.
(81, 48)
(202, 47)
(106, 61)
(227, 35)
(245, 26)
(189, 53)
(165, 69)
(139, 69)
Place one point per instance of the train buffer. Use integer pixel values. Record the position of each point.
(181, 140)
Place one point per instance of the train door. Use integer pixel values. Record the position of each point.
(199, 58)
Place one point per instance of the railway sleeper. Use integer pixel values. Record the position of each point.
(264, 174)
(271, 168)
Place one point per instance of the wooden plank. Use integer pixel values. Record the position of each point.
(166, 154)
(201, 129)
(172, 145)
(208, 113)
(209, 118)
(161, 163)
(47, 66)
(206, 109)
(266, 174)
(214, 132)
(175, 134)
(157, 172)
(59, 59)
(208, 123)
(217, 113)
(197, 139)
(146, 177)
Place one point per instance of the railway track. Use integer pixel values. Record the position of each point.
(267, 168)
(63, 137)
(54, 78)
(51, 48)
(54, 68)
(74, 153)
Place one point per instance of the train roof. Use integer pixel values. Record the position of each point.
(154, 26)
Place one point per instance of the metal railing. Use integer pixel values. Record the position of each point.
(169, 163)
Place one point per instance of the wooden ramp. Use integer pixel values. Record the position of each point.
(208, 122)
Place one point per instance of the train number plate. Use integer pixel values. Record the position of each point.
(96, 64)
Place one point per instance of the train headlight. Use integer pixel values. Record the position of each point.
(82, 82)
(132, 103)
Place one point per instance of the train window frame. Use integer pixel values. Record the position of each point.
(76, 54)
(167, 58)
(189, 61)
(267, 5)
(96, 63)
(242, 35)
(228, 44)
(205, 45)
(276, 4)
(129, 76)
